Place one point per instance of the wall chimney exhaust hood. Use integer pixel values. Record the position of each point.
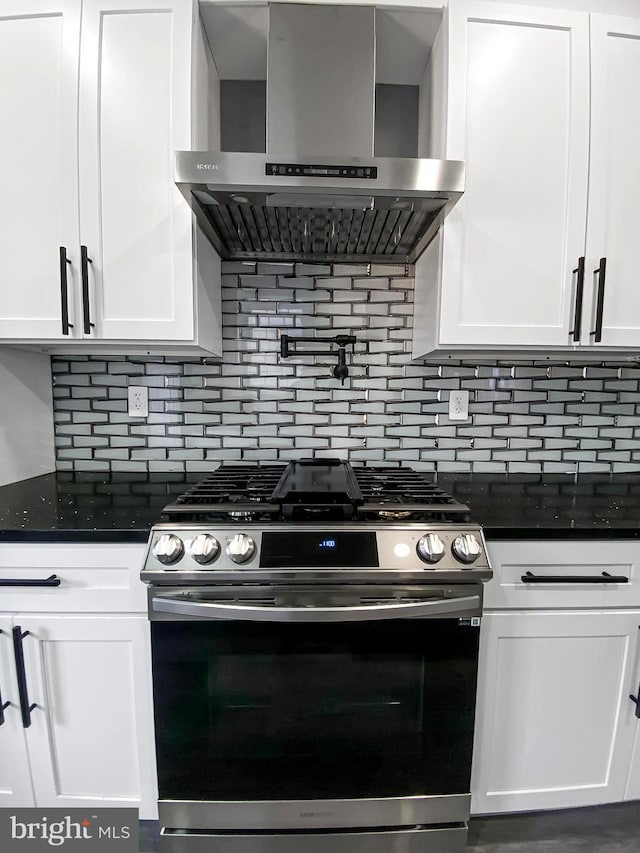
(319, 193)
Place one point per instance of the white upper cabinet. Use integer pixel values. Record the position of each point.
(614, 182)
(134, 113)
(39, 44)
(116, 102)
(541, 108)
(519, 110)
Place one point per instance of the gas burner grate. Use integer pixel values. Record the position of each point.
(390, 492)
(250, 493)
(233, 492)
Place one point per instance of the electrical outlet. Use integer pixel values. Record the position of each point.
(138, 397)
(458, 405)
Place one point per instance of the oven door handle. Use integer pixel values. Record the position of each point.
(451, 608)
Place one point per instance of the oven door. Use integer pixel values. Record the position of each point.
(282, 708)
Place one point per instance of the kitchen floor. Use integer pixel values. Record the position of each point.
(605, 829)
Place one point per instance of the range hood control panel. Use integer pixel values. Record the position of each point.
(311, 170)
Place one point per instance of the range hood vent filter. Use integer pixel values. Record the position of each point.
(316, 234)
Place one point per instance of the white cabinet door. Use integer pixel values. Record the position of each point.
(632, 720)
(614, 180)
(91, 738)
(633, 783)
(518, 95)
(135, 112)
(15, 778)
(553, 727)
(39, 45)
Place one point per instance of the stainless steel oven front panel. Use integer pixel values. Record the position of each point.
(311, 814)
(397, 558)
(450, 839)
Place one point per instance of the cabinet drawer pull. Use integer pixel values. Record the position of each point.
(636, 699)
(85, 260)
(25, 707)
(577, 317)
(52, 580)
(64, 291)
(3, 705)
(596, 334)
(604, 577)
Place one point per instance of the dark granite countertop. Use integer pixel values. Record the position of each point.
(67, 507)
(89, 507)
(531, 506)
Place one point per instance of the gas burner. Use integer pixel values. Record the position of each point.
(394, 514)
(241, 515)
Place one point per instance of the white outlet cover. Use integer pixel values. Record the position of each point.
(138, 401)
(458, 405)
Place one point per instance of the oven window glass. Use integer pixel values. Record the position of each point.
(273, 711)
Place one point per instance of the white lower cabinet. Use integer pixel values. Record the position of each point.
(633, 782)
(559, 661)
(15, 776)
(89, 739)
(555, 726)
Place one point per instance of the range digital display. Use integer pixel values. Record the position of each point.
(315, 550)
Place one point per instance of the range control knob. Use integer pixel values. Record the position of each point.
(204, 548)
(430, 548)
(240, 548)
(168, 549)
(466, 548)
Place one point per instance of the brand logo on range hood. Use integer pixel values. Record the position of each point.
(207, 166)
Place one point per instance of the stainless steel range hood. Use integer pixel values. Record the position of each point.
(319, 193)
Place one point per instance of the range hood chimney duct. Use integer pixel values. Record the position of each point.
(321, 81)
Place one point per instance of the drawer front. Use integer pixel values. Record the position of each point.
(99, 577)
(535, 574)
(440, 840)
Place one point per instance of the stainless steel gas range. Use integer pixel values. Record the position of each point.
(315, 642)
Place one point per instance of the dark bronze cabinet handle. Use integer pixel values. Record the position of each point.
(601, 271)
(636, 699)
(3, 705)
(604, 577)
(25, 707)
(52, 580)
(64, 291)
(85, 260)
(577, 317)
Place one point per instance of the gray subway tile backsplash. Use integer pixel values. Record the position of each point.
(252, 406)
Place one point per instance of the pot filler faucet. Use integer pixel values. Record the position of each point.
(340, 371)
